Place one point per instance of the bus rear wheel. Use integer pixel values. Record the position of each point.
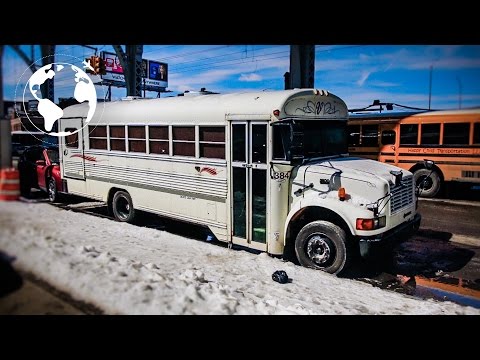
(429, 185)
(322, 245)
(122, 207)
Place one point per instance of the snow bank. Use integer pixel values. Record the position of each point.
(126, 269)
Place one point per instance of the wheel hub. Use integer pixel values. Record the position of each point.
(425, 183)
(318, 249)
(123, 207)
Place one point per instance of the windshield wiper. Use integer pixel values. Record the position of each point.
(326, 157)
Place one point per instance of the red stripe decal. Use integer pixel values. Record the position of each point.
(86, 157)
(209, 170)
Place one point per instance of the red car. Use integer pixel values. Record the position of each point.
(39, 168)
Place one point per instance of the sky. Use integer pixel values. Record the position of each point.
(358, 73)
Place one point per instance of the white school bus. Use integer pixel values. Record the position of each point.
(264, 170)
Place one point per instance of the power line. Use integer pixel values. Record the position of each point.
(208, 66)
(218, 56)
(258, 57)
(229, 60)
(193, 52)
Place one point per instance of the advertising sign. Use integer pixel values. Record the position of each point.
(154, 73)
(112, 63)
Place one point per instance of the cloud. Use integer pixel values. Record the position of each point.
(363, 77)
(250, 77)
(383, 83)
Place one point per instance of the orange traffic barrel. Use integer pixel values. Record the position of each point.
(9, 184)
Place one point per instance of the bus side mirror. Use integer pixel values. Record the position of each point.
(397, 175)
(428, 164)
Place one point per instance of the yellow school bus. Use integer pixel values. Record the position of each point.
(450, 138)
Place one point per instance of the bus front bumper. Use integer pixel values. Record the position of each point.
(396, 235)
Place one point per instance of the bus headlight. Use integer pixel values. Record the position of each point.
(371, 224)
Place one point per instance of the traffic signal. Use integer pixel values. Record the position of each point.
(89, 60)
(98, 65)
(95, 64)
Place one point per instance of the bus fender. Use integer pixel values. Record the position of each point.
(328, 206)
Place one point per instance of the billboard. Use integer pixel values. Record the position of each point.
(154, 73)
(112, 63)
(157, 71)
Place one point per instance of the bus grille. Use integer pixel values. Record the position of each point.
(402, 196)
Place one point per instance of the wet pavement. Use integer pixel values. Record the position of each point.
(22, 293)
(32, 299)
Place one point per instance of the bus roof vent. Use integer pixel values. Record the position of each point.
(129, 98)
(203, 91)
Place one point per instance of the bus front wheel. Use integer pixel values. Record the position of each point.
(429, 186)
(322, 245)
(122, 207)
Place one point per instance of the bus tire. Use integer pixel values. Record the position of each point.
(431, 186)
(122, 207)
(323, 245)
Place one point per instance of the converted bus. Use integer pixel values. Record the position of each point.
(450, 138)
(264, 170)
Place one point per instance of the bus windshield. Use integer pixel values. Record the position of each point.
(310, 139)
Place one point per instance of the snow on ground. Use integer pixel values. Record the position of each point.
(126, 269)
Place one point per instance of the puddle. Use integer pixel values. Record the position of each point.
(463, 292)
(445, 288)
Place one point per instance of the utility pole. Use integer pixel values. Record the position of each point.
(131, 61)
(430, 89)
(48, 57)
(302, 67)
(5, 127)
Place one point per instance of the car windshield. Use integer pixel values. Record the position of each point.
(53, 155)
(309, 139)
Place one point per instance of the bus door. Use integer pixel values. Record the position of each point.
(249, 183)
(72, 158)
(387, 150)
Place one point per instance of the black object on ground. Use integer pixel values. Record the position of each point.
(280, 276)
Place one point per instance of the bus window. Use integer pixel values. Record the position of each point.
(456, 133)
(430, 134)
(388, 137)
(281, 142)
(71, 141)
(212, 142)
(97, 137)
(369, 135)
(354, 135)
(136, 139)
(183, 140)
(238, 142)
(259, 143)
(117, 138)
(159, 143)
(408, 134)
(476, 133)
